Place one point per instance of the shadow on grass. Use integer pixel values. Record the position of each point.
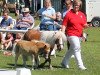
(18, 66)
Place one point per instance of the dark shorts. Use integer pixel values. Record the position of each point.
(18, 28)
(49, 27)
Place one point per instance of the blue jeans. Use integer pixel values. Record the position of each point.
(49, 27)
(18, 28)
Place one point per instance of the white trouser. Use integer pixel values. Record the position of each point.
(75, 49)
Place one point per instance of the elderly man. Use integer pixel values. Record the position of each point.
(25, 20)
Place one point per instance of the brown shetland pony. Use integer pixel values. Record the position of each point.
(31, 48)
(51, 37)
(32, 34)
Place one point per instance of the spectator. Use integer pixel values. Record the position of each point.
(18, 38)
(48, 16)
(6, 21)
(68, 7)
(58, 20)
(7, 42)
(19, 6)
(73, 24)
(25, 20)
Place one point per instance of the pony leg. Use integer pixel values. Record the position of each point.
(16, 58)
(37, 61)
(13, 49)
(53, 52)
(33, 62)
(42, 64)
(49, 60)
(24, 60)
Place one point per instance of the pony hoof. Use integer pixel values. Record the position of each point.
(32, 69)
(40, 66)
(51, 67)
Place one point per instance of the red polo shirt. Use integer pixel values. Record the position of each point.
(74, 23)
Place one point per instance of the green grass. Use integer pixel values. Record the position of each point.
(90, 54)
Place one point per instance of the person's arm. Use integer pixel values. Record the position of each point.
(64, 23)
(8, 40)
(63, 28)
(10, 24)
(27, 20)
(87, 25)
(53, 16)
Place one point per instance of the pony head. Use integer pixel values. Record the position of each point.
(60, 38)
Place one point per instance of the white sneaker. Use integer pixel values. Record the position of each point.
(82, 68)
(72, 56)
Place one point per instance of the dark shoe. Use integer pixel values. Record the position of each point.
(65, 66)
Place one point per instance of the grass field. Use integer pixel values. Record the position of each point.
(90, 54)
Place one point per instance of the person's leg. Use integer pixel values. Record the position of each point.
(42, 27)
(75, 49)
(68, 44)
(77, 52)
(68, 54)
(51, 27)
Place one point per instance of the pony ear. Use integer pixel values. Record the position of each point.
(45, 46)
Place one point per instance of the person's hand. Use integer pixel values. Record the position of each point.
(9, 27)
(56, 23)
(23, 19)
(18, 25)
(90, 25)
(3, 41)
(46, 15)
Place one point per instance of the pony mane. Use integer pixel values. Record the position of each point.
(48, 36)
(60, 34)
(51, 36)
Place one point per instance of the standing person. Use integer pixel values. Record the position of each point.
(48, 16)
(73, 25)
(7, 42)
(6, 21)
(68, 7)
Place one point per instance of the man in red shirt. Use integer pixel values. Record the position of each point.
(73, 25)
